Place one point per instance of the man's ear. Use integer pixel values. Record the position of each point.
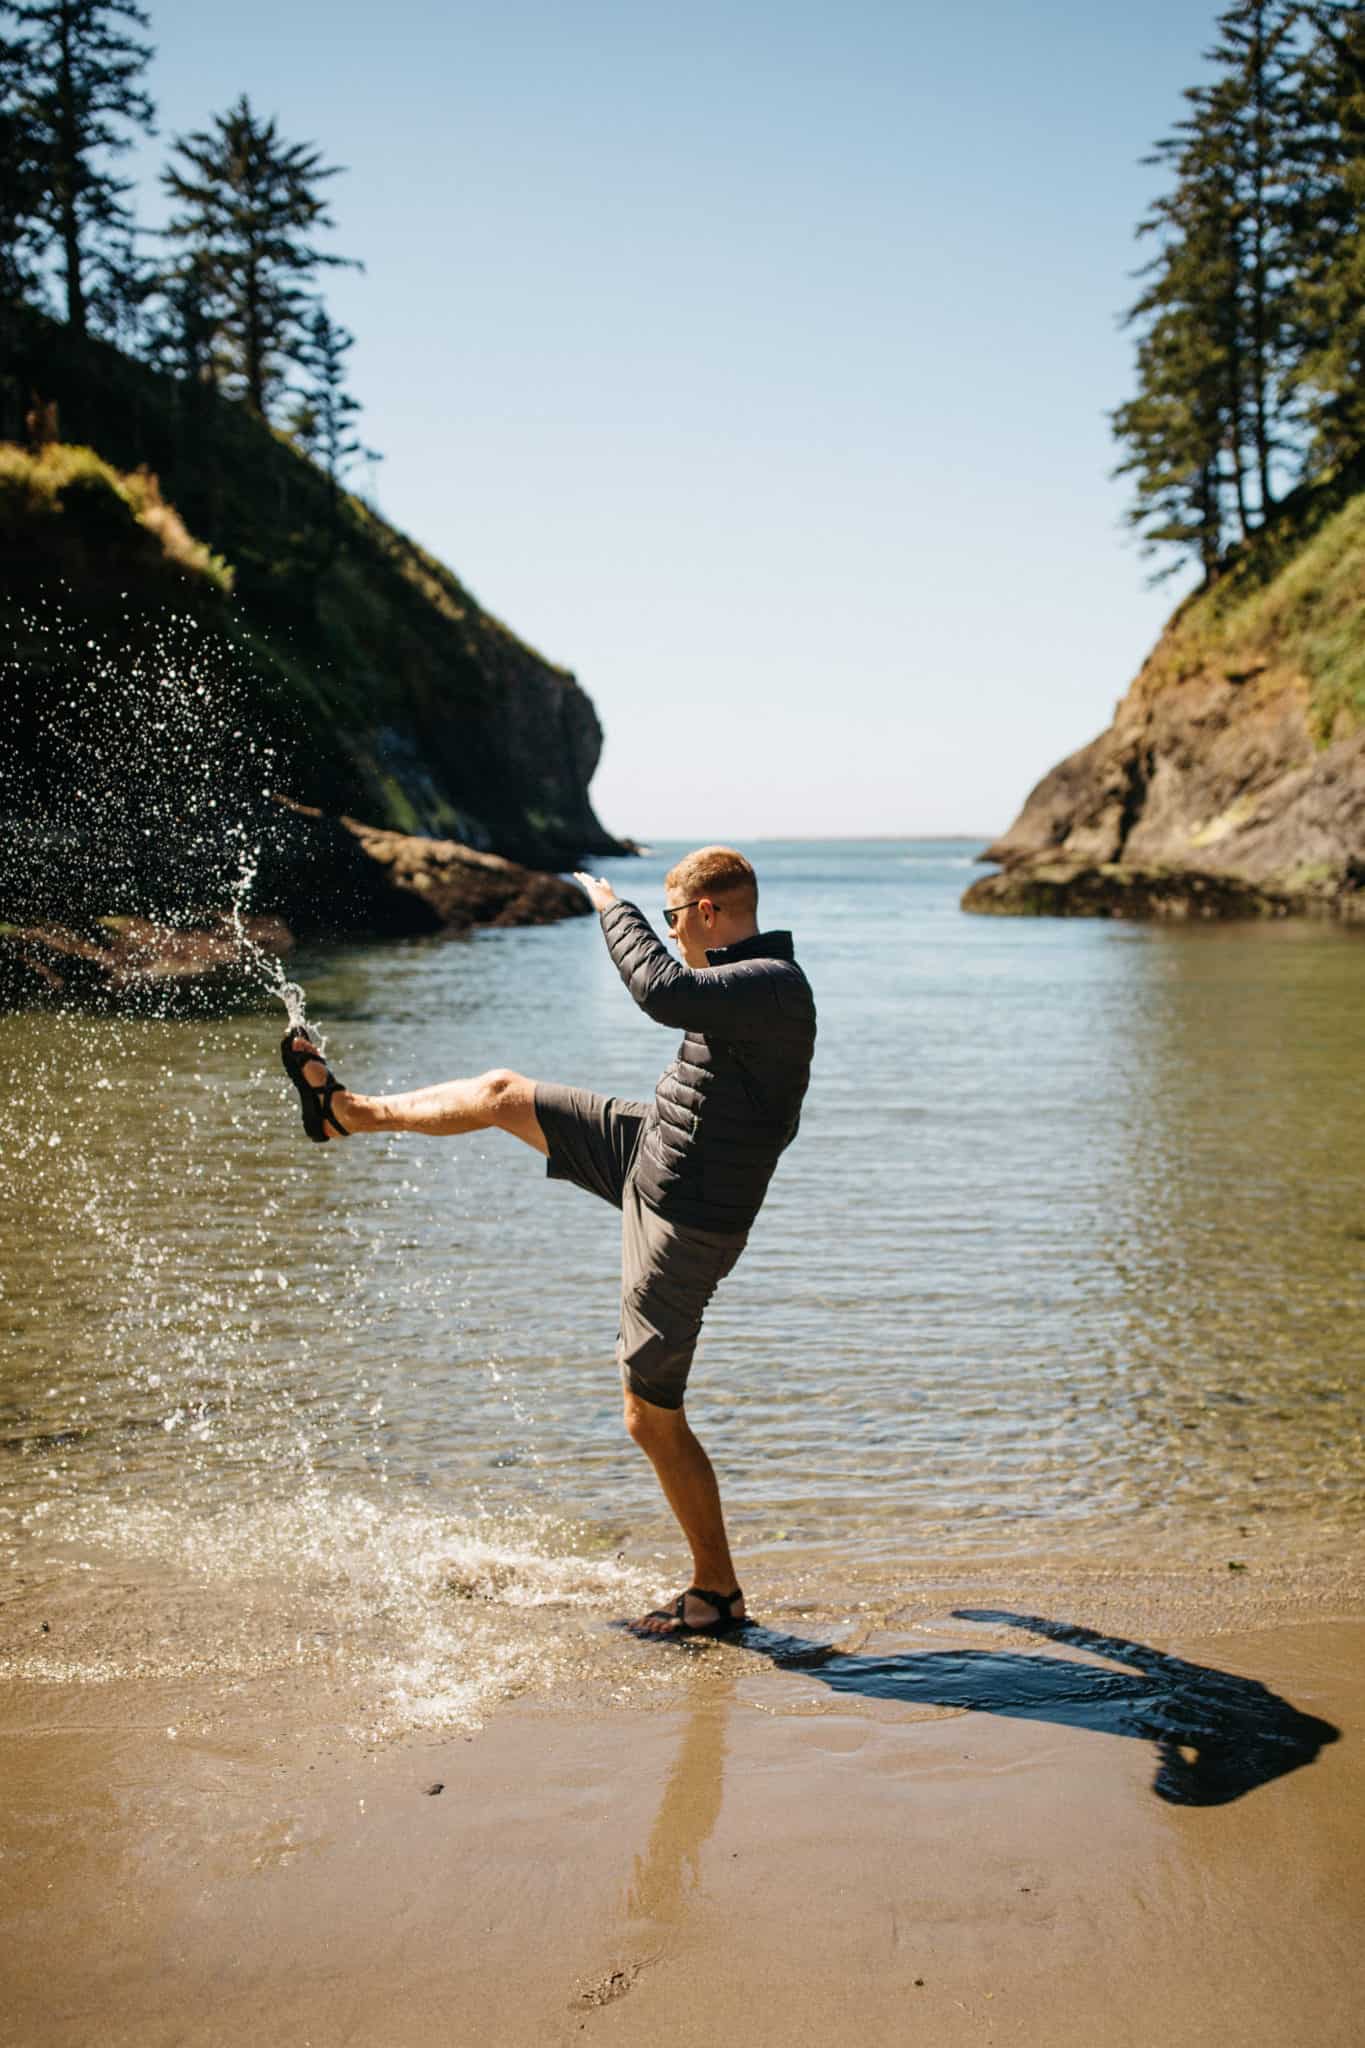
(707, 909)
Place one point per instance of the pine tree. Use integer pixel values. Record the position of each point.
(1328, 311)
(325, 419)
(250, 203)
(1255, 106)
(1182, 430)
(83, 103)
(183, 330)
(1214, 411)
(22, 180)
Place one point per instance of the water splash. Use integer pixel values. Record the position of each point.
(137, 797)
(210, 1344)
(266, 967)
(417, 1619)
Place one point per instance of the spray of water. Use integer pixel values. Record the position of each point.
(136, 788)
(206, 1334)
(263, 966)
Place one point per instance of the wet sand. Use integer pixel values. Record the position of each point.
(952, 1830)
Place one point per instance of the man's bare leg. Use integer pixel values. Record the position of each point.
(506, 1101)
(498, 1100)
(689, 1482)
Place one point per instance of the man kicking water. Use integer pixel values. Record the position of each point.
(688, 1171)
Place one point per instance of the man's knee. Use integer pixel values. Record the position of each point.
(648, 1424)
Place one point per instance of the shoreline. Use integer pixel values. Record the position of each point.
(952, 1828)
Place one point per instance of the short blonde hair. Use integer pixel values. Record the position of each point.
(715, 871)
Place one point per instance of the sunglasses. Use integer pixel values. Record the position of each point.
(675, 911)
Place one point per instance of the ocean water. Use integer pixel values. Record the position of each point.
(1067, 1261)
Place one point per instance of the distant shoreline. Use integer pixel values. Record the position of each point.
(840, 839)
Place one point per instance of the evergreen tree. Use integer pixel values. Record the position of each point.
(1213, 415)
(250, 204)
(22, 181)
(1255, 111)
(1182, 431)
(81, 99)
(325, 420)
(182, 335)
(1328, 314)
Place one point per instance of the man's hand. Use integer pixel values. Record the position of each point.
(599, 893)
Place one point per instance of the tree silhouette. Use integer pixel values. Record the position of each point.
(22, 176)
(324, 421)
(76, 68)
(250, 204)
(182, 332)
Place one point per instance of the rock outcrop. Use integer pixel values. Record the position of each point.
(331, 875)
(1232, 780)
(122, 964)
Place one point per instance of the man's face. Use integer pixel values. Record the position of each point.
(693, 927)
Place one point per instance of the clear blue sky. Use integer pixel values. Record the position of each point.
(752, 361)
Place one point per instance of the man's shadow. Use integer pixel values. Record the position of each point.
(1217, 1736)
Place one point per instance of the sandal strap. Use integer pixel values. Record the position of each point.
(724, 1603)
(330, 1087)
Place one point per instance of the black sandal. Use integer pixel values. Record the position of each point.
(726, 1622)
(315, 1097)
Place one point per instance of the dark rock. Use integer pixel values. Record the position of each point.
(1052, 888)
(132, 964)
(317, 876)
(336, 876)
(458, 885)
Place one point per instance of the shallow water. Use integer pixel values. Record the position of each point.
(1067, 1259)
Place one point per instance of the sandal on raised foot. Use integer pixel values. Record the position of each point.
(315, 1097)
(725, 1624)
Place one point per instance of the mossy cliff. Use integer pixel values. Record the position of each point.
(1232, 780)
(381, 686)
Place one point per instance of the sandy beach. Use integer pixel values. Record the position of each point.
(982, 1819)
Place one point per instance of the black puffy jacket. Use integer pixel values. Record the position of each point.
(730, 1102)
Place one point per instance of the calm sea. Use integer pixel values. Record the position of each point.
(1066, 1261)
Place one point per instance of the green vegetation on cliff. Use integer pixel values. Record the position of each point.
(60, 492)
(1292, 601)
(383, 687)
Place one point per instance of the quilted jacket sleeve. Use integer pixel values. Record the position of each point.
(735, 1001)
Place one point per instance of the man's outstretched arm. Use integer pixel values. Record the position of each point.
(734, 1002)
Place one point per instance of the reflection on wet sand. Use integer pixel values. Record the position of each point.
(668, 1869)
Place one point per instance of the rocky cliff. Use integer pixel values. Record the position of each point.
(1232, 780)
(381, 685)
(267, 716)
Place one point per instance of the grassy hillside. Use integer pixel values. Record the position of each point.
(384, 687)
(65, 503)
(1291, 605)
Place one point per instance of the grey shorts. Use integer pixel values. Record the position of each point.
(669, 1271)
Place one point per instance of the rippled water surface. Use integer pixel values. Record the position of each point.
(1067, 1258)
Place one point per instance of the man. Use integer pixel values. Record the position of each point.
(688, 1171)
